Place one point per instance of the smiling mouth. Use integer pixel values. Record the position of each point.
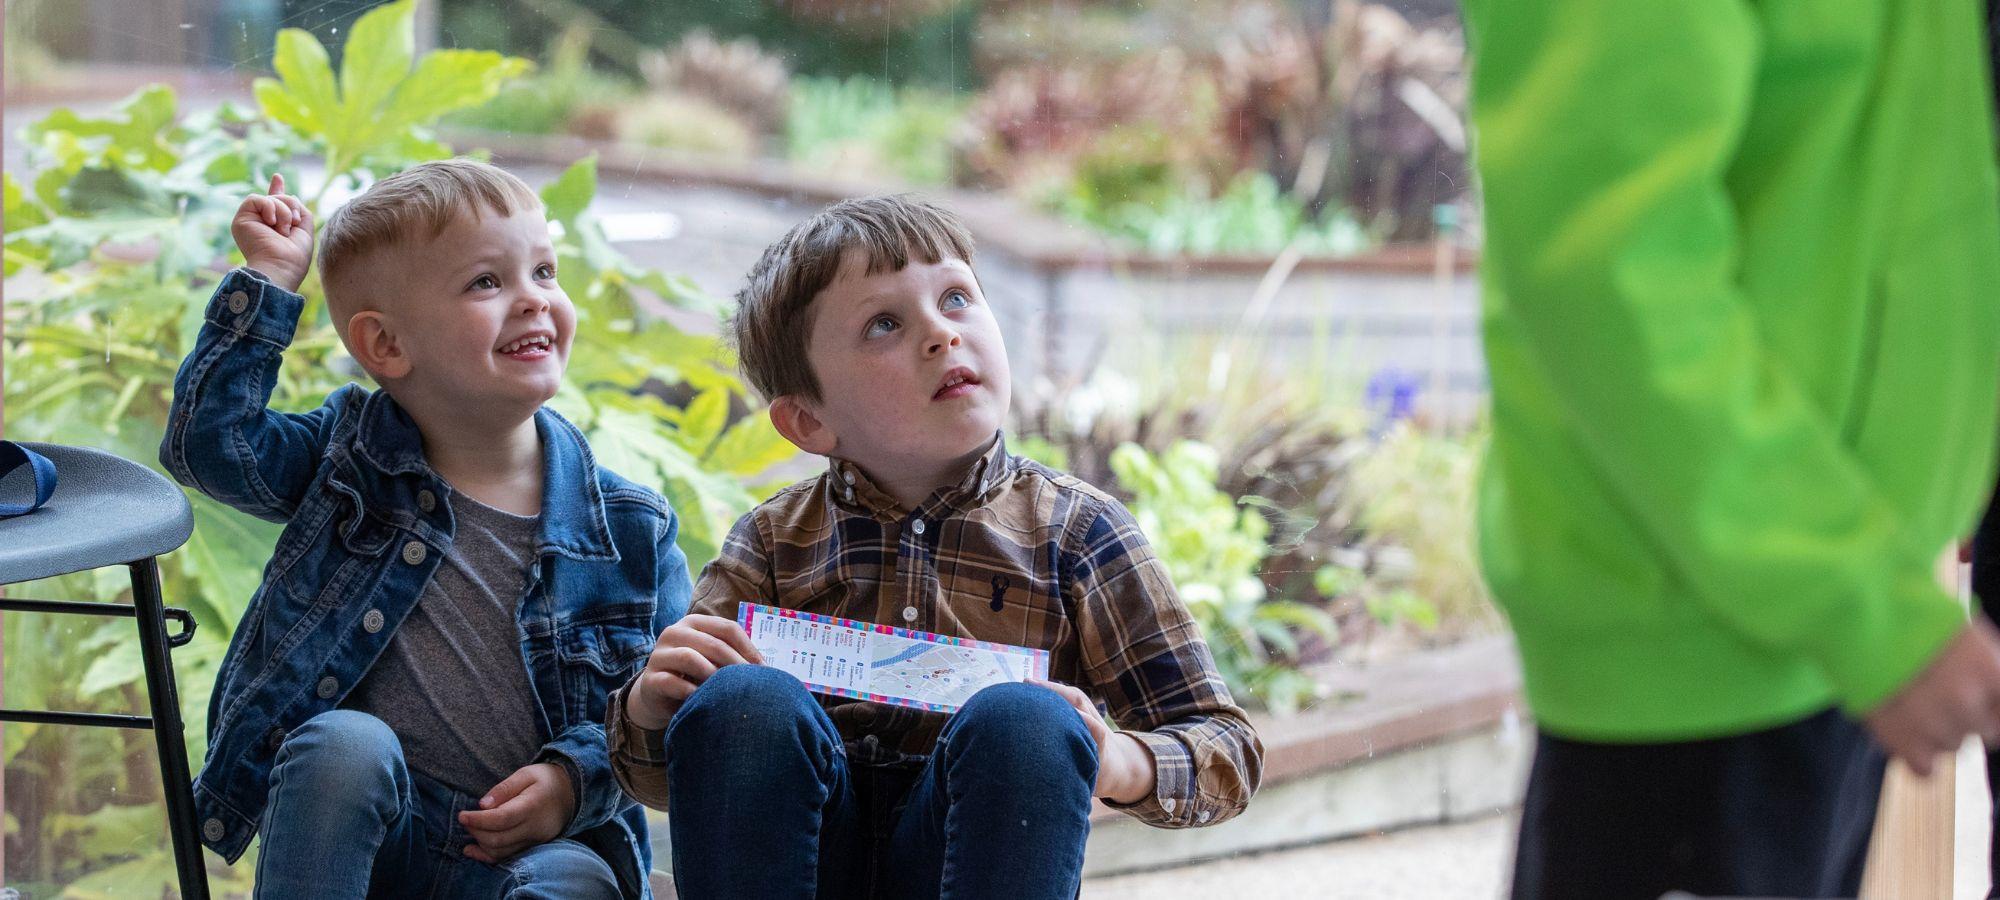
(533, 345)
(957, 384)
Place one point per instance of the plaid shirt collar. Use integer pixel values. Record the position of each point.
(853, 490)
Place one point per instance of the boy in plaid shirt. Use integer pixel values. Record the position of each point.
(867, 328)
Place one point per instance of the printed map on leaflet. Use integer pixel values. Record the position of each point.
(881, 663)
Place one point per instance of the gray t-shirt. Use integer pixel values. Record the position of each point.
(452, 684)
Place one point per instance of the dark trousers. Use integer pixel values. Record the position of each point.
(765, 805)
(1986, 586)
(1784, 812)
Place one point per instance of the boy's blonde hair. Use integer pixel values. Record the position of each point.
(418, 202)
(773, 320)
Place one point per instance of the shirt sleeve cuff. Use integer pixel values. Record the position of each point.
(1172, 803)
(1875, 652)
(632, 747)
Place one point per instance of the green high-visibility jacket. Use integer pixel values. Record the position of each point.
(1742, 318)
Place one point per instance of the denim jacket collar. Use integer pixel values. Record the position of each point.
(391, 451)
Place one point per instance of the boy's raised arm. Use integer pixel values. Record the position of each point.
(1143, 655)
(221, 439)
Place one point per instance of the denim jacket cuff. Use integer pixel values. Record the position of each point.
(575, 786)
(248, 304)
(581, 752)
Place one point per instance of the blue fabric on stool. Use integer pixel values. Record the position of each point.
(12, 455)
(108, 511)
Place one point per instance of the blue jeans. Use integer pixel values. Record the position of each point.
(766, 806)
(341, 774)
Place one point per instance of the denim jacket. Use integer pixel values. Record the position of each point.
(366, 523)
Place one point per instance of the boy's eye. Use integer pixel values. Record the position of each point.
(545, 271)
(956, 300)
(484, 283)
(880, 326)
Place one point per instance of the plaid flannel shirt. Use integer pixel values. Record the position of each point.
(1015, 553)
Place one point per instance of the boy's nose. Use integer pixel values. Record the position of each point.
(532, 303)
(944, 339)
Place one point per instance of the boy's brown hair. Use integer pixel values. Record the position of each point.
(773, 321)
(418, 202)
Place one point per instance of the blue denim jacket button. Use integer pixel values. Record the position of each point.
(238, 302)
(213, 830)
(426, 501)
(371, 621)
(327, 687)
(413, 552)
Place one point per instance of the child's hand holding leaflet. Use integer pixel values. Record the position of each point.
(883, 664)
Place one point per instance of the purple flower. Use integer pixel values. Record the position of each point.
(1392, 397)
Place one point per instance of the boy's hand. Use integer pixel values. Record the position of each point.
(1125, 770)
(531, 807)
(1956, 695)
(274, 232)
(686, 654)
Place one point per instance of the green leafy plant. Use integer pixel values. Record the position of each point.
(1213, 546)
(555, 98)
(1410, 505)
(118, 233)
(1380, 585)
(377, 115)
(1251, 215)
(862, 126)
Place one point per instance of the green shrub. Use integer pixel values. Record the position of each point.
(1410, 500)
(684, 123)
(1145, 202)
(1213, 547)
(860, 126)
(549, 101)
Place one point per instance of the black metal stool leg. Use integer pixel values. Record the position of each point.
(167, 729)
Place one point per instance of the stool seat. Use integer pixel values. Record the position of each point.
(106, 511)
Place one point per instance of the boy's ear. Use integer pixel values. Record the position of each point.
(794, 419)
(375, 346)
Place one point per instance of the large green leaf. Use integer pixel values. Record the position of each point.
(379, 51)
(148, 875)
(376, 112)
(750, 447)
(450, 80)
(119, 665)
(703, 420)
(22, 211)
(305, 95)
(571, 192)
(135, 134)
